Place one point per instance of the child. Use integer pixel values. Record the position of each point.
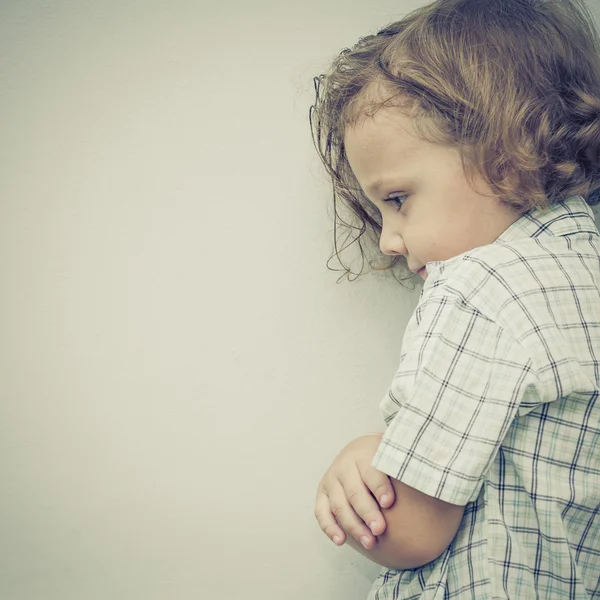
(464, 139)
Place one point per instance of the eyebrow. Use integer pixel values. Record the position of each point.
(375, 186)
(404, 179)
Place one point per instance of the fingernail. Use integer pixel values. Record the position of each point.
(372, 526)
(384, 499)
(336, 539)
(364, 540)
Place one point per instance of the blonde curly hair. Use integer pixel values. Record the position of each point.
(514, 85)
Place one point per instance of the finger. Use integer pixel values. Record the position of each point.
(365, 506)
(327, 521)
(380, 486)
(346, 516)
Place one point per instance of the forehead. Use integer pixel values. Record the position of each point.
(382, 146)
(386, 127)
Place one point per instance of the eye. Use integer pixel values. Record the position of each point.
(397, 200)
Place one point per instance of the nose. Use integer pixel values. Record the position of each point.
(391, 243)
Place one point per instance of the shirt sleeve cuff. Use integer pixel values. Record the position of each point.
(428, 478)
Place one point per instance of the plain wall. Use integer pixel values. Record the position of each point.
(178, 365)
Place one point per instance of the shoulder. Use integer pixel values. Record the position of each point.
(494, 280)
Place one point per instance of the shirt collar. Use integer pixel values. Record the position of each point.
(565, 217)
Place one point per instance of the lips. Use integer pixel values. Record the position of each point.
(422, 272)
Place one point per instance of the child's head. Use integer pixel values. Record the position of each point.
(429, 211)
(478, 110)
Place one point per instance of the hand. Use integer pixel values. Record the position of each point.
(346, 495)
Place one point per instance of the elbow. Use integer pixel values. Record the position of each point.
(407, 554)
(419, 529)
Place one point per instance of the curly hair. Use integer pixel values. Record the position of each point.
(513, 85)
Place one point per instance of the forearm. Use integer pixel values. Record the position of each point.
(385, 556)
(414, 535)
(418, 528)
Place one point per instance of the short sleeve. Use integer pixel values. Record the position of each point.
(457, 390)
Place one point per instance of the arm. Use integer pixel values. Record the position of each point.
(417, 528)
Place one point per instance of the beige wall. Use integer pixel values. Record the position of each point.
(178, 366)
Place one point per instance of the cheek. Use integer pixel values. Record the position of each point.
(443, 240)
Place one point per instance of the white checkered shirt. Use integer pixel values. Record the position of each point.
(494, 406)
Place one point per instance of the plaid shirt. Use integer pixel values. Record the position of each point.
(494, 406)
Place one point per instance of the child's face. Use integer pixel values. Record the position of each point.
(441, 216)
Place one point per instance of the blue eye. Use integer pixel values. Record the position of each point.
(398, 200)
